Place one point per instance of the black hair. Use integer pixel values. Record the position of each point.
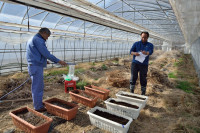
(45, 30)
(145, 32)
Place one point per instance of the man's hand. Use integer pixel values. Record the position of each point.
(145, 52)
(62, 63)
(135, 53)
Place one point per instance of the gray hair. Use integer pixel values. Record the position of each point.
(45, 31)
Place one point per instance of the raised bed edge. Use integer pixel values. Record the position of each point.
(123, 110)
(123, 128)
(119, 96)
(23, 122)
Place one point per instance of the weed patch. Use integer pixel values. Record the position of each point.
(172, 75)
(81, 84)
(185, 86)
(151, 62)
(179, 62)
(79, 70)
(56, 72)
(116, 61)
(104, 67)
(93, 69)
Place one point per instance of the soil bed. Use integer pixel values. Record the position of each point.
(133, 96)
(111, 117)
(31, 118)
(61, 105)
(169, 109)
(124, 104)
(83, 94)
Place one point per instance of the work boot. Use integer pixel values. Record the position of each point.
(41, 110)
(143, 92)
(132, 87)
(143, 89)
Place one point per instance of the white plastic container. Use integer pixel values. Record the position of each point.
(130, 99)
(107, 124)
(123, 110)
(71, 71)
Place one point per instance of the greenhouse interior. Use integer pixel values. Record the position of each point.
(97, 37)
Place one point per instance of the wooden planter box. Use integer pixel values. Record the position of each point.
(107, 124)
(84, 100)
(97, 91)
(124, 110)
(27, 127)
(62, 112)
(120, 95)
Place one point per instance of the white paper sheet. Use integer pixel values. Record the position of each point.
(141, 57)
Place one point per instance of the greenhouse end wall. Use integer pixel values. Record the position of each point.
(195, 48)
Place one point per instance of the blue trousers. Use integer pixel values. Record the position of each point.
(37, 86)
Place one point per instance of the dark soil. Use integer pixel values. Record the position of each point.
(31, 118)
(124, 104)
(133, 96)
(83, 94)
(60, 104)
(111, 117)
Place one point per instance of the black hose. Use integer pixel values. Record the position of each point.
(15, 89)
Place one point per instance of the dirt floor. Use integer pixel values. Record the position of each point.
(173, 105)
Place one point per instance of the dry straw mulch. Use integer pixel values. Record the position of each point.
(116, 78)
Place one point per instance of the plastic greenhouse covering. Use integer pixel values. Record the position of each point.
(76, 40)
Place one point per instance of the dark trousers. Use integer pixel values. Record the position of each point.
(142, 69)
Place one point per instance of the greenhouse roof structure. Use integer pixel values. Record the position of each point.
(68, 16)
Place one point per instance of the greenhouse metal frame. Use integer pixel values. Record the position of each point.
(85, 31)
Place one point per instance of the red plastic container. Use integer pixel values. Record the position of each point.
(71, 83)
(84, 100)
(67, 114)
(27, 127)
(97, 91)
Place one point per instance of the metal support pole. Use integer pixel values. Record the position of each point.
(128, 50)
(107, 49)
(64, 48)
(96, 53)
(121, 49)
(21, 56)
(115, 50)
(74, 51)
(52, 53)
(111, 50)
(2, 58)
(90, 51)
(125, 49)
(118, 50)
(83, 49)
(84, 29)
(101, 51)
(111, 34)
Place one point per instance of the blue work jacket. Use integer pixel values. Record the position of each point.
(139, 46)
(37, 52)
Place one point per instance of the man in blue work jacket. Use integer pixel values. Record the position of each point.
(142, 49)
(37, 55)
